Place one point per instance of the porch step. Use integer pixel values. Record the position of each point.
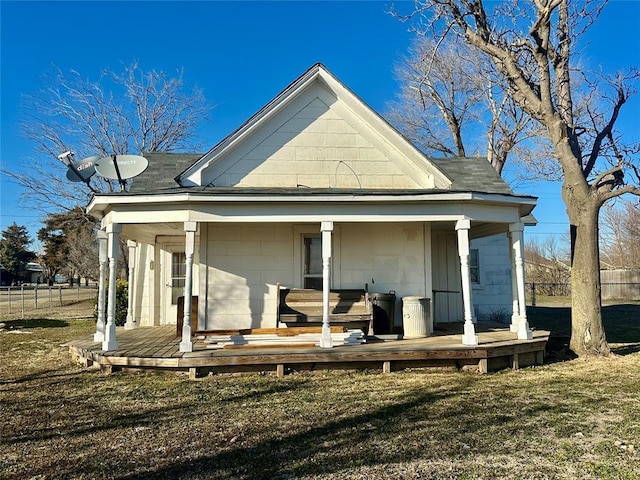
(308, 337)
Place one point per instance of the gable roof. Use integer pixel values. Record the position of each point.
(335, 122)
(316, 97)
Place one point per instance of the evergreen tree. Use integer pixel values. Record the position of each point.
(14, 252)
(69, 245)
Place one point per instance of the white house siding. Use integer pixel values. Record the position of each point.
(386, 256)
(314, 147)
(143, 291)
(492, 296)
(243, 265)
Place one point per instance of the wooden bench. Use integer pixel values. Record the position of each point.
(351, 308)
(180, 316)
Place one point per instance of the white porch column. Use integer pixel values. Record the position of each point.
(327, 229)
(130, 323)
(469, 336)
(102, 291)
(113, 249)
(515, 315)
(517, 245)
(186, 345)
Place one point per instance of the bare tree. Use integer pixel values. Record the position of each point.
(621, 235)
(83, 252)
(453, 103)
(531, 45)
(128, 112)
(547, 266)
(439, 94)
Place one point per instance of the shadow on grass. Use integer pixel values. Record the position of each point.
(325, 449)
(411, 429)
(43, 374)
(626, 349)
(621, 325)
(97, 422)
(35, 323)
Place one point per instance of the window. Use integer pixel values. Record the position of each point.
(178, 275)
(307, 257)
(312, 267)
(474, 265)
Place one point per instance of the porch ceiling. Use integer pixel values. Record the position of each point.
(150, 231)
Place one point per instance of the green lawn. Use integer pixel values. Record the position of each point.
(566, 420)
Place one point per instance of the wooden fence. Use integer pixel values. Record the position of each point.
(623, 284)
(616, 285)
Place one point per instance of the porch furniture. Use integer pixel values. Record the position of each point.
(300, 307)
(180, 316)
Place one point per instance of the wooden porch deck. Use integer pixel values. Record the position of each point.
(158, 348)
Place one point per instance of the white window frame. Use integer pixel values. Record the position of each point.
(305, 274)
(299, 231)
(475, 266)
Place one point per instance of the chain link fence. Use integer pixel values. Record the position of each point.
(543, 292)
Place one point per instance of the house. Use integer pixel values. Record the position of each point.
(33, 274)
(315, 189)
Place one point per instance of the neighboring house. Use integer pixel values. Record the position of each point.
(33, 274)
(547, 276)
(314, 168)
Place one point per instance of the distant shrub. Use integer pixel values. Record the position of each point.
(122, 301)
(498, 315)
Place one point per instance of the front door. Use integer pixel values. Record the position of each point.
(447, 283)
(174, 270)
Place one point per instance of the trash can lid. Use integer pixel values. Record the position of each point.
(415, 298)
(383, 296)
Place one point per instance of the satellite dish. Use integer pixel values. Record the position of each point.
(82, 171)
(125, 166)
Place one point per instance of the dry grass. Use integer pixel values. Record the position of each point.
(568, 420)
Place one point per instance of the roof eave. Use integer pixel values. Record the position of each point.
(101, 202)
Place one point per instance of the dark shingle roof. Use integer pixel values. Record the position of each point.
(472, 174)
(162, 169)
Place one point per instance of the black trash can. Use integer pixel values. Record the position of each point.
(384, 306)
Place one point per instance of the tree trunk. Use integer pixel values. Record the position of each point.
(587, 330)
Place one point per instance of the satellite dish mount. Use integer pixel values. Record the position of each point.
(78, 172)
(121, 167)
(118, 174)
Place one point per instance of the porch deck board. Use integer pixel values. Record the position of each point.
(158, 347)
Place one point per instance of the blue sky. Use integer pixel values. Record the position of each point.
(243, 54)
